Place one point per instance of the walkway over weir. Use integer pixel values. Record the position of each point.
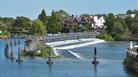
(63, 37)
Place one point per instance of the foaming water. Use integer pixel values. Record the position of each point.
(75, 54)
(70, 44)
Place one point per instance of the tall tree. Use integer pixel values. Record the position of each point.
(110, 19)
(43, 17)
(129, 21)
(118, 30)
(134, 27)
(37, 27)
(129, 12)
(54, 24)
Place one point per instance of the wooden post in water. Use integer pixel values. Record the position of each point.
(6, 50)
(11, 54)
(49, 57)
(19, 56)
(95, 57)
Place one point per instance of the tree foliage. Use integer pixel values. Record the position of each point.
(37, 27)
(43, 17)
(21, 24)
(129, 21)
(134, 27)
(109, 22)
(54, 25)
(106, 37)
(129, 12)
(115, 26)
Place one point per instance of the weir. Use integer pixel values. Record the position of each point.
(55, 51)
(85, 43)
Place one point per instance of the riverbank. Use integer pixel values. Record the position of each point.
(131, 66)
(125, 37)
(129, 37)
(131, 60)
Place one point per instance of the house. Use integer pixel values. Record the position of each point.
(0, 32)
(70, 22)
(132, 15)
(98, 22)
(83, 21)
(80, 23)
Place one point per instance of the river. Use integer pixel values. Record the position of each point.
(110, 55)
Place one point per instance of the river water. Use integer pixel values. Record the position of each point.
(110, 55)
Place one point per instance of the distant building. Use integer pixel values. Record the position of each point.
(0, 32)
(70, 22)
(83, 21)
(98, 22)
(123, 16)
(132, 15)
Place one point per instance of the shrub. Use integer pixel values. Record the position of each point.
(106, 37)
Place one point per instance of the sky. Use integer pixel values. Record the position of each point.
(31, 8)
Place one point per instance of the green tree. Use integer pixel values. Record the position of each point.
(136, 18)
(118, 30)
(65, 30)
(21, 24)
(135, 12)
(106, 37)
(110, 19)
(43, 17)
(6, 21)
(54, 25)
(129, 12)
(37, 27)
(129, 21)
(134, 27)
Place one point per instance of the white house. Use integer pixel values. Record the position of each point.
(0, 31)
(132, 15)
(98, 22)
(125, 15)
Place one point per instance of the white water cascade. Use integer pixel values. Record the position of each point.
(75, 54)
(55, 51)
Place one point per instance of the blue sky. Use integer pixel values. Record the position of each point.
(31, 8)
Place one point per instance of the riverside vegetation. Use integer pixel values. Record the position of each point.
(117, 28)
(41, 51)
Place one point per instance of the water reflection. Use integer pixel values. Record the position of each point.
(95, 69)
(50, 70)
